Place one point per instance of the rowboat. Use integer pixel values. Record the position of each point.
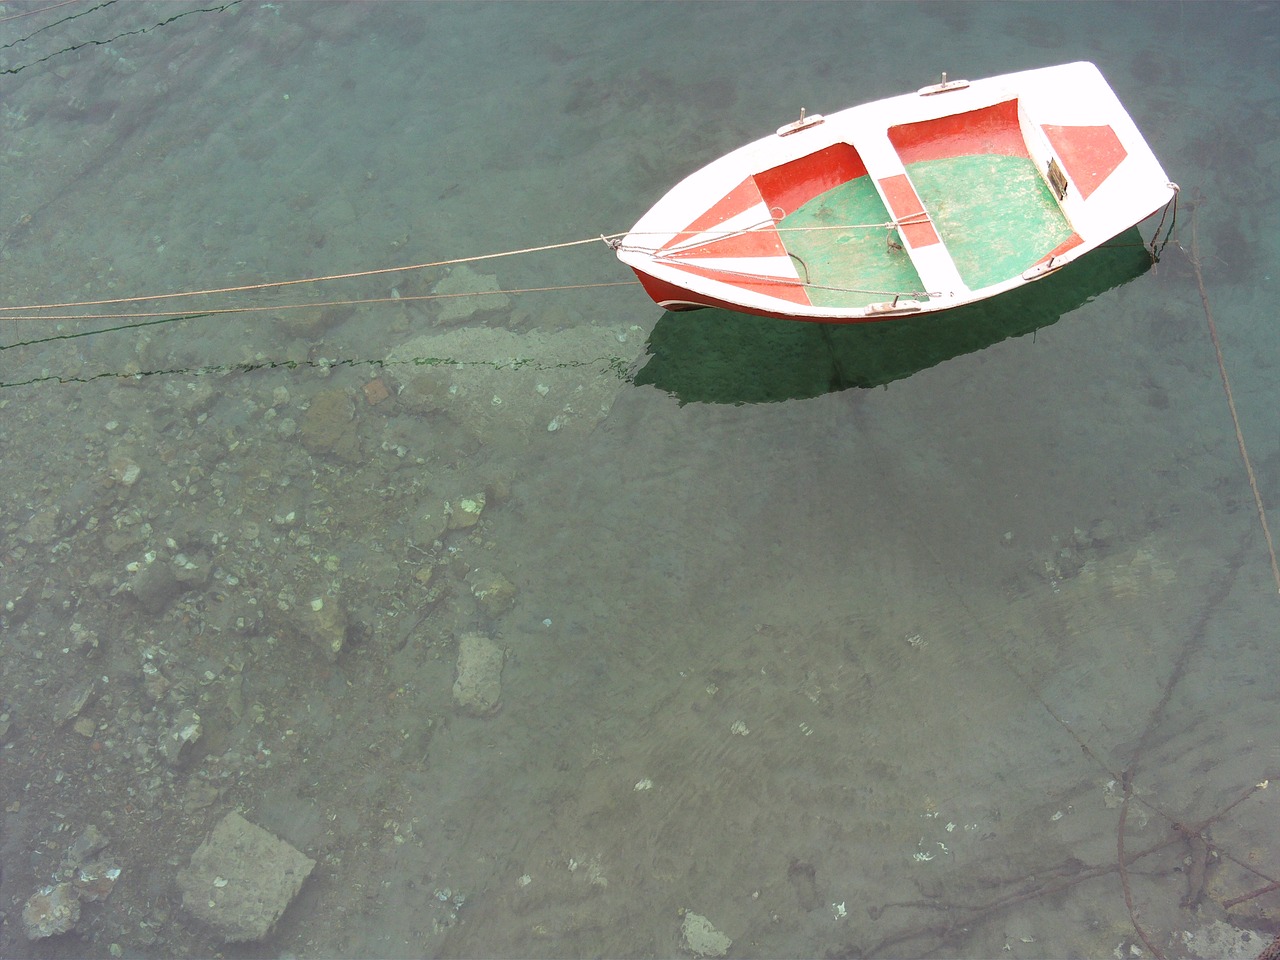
(914, 204)
(721, 356)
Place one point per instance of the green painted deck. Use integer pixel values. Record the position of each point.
(994, 213)
(848, 258)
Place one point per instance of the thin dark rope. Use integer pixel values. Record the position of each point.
(1194, 257)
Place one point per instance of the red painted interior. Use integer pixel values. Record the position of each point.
(764, 242)
(1070, 243)
(904, 202)
(993, 129)
(790, 186)
(662, 292)
(1090, 154)
(742, 197)
(780, 288)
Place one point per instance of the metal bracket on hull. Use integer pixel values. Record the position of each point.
(1041, 269)
(891, 307)
(946, 86)
(802, 124)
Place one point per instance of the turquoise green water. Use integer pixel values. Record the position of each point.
(819, 670)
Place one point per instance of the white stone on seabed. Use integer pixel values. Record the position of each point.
(241, 879)
(125, 471)
(465, 513)
(478, 687)
(701, 939)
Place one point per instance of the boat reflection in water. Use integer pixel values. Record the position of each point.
(715, 356)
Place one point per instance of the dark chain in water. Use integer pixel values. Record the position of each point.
(72, 48)
(617, 366)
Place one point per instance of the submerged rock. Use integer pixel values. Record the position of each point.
(90, 841)
(470, 295)
(241, 879)
(154, 586)
(51, 911)
(329, 426)
(494, 593)
(176, 742)
(95, 881)
(464, 513)
(701, 939)
(311, 322)
(478, 688)
(323, 621)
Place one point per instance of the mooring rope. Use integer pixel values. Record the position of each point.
(1194, 257)
(30, 13)
(1170, 212)
(38, 311)
(318, 304)
(275, 284)
(695, 239)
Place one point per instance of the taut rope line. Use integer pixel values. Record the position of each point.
(609, 239)
(1194, 257)
(270, 285)
(258, 308)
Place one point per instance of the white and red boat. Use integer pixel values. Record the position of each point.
(909, 205)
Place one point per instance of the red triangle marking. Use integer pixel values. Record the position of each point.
(780, 289)
(758, 243)
(1090, 154)
(738, 200)
(1070, 243)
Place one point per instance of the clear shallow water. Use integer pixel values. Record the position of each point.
(973, 597)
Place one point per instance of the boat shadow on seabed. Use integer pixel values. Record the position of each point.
(717, 356)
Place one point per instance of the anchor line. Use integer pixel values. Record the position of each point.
(1194, 257)
(39, 311)
(277, 284)
(135, 319)
(1171, 211)
(317, 304)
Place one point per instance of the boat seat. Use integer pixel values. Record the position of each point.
(928, 252)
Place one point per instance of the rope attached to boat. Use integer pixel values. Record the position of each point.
(1171, 211)
(765, 279)
(276, 284)
(40, 311)
(1194, 257)
(704, 238)
(260, 308)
